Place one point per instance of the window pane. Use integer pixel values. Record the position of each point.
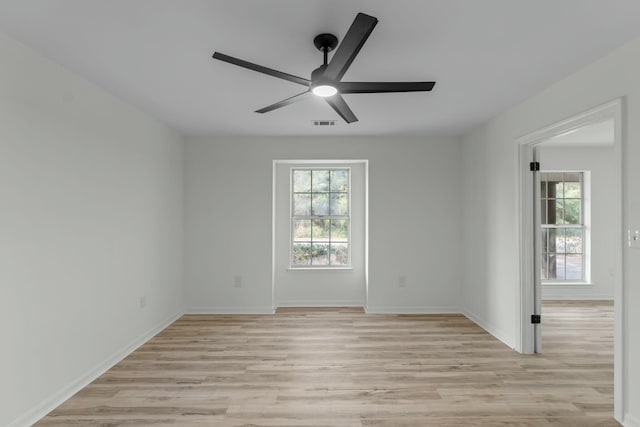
(572, 211)
(551, 211)
(554, 185)
(320, 217)
(320, 180)
(572, 190)
(320, 254)
(560, 241)
(321, 229)
(301, 204)
(302, 229)
(574, 267)
(551, 189)
(552, 267)
(339, 254)
(340, 180)
(339, 230)
(320, 204)
(545, 266)
(553, 239)
(560, 267)
(301, 181)
(573, 240)
(545, 246)
(543, 213)
(559, 218)
(339, 204)
(301, 254)
(543, 188)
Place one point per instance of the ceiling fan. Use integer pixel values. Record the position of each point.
(326, 80)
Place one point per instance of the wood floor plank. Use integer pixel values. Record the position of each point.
(341, 367)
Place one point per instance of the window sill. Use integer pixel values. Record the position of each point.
(319, 268)
(567, 283)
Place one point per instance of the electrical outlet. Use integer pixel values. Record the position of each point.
(634, 238)
(402, 281)
(143, 301)
(237, 281)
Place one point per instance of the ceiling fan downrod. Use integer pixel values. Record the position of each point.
(325, 43)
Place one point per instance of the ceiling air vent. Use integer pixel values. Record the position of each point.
(324, 122)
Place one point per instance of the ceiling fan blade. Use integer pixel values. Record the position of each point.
(340, 105)
(381, 87)
(261, 69)
(284, 102)
(351, 44)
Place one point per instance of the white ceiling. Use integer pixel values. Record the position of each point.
(485, 56)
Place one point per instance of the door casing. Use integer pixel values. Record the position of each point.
(529, 295)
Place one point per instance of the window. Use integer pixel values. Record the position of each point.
(563, 226)
(320, 218)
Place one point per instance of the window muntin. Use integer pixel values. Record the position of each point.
(320, 217)
(563, 228)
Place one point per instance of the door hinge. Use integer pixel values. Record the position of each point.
(536, 318)
(534, 166)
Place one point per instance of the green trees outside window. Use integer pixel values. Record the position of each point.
(320, 217)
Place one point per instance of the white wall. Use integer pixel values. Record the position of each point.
(604, 201)
(491, 257)
(90, 221)
(319, 287)
(414, 219)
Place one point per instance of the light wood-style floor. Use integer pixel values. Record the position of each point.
(340, 367)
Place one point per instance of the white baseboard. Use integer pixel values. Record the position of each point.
(497, 333)
(411, 310)
(320, 303)
(631, 421)
(52, 402)
(577, 297)
(229, 310)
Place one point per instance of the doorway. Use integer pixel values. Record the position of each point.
(571, 138)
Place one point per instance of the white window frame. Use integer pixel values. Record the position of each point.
(585, 226)
(347, 266)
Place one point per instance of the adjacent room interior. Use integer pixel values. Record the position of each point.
(218, 213)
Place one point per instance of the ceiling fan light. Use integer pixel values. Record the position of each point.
(324, 90)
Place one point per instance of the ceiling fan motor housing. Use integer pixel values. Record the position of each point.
(320, 85)
(316, 76)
